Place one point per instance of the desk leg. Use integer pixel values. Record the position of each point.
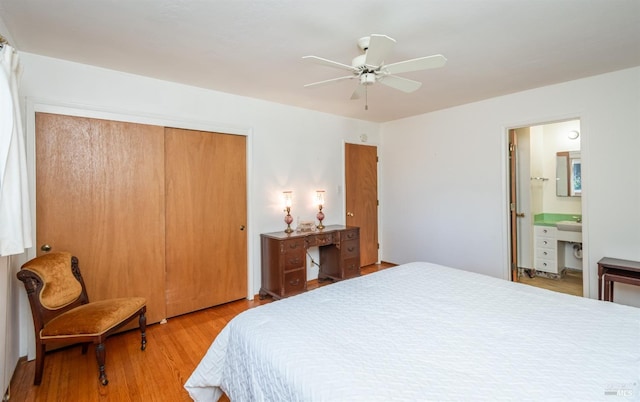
(600, 282)
(608, 289)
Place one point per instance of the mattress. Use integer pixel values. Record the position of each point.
(425, 332)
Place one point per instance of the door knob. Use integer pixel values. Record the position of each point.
(46, 248)
(241, 227)
(349, 213)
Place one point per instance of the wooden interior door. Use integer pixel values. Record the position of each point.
(99, 195)
(361, 182)
(206, 204)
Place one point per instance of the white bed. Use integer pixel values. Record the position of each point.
(421, 332)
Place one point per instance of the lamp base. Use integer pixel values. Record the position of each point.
(320, 217)
(288, 219)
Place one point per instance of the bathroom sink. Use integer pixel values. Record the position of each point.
(569, 226)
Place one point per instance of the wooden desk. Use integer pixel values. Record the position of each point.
(611, 270)
(284, 258)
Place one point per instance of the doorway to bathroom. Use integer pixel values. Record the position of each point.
(546, 206)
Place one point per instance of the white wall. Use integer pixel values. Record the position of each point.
(555, 140)
(290, 148)
(444, 176)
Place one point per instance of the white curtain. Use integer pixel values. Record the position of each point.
(15, 217)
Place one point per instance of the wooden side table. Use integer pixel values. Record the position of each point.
(611, 270)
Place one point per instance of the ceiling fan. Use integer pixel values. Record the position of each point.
(370, 67)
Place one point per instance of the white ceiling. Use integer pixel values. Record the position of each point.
(254, 47)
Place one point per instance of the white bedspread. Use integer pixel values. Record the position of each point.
(421, 332)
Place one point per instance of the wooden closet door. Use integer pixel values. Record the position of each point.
(99, 195)
(206, 204)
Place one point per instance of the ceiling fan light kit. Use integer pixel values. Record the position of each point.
(367, 78)
(370, 67)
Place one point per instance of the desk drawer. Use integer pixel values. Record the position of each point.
(546, 265)
(351, 267)
(545, 231)
(320, 239)
(293, 245)
(294, 260)
(293, 251)
(546, 253)
(295, 282)
(350, 248)
(350, 234)
(545, 242)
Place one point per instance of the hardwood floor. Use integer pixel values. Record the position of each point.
(157, 374)
(173, 351)
(571, 283)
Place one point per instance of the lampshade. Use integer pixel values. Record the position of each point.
(287, 196)
(320, 197)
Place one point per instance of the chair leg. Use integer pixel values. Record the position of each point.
(142, 321)
(100, 355)
(40, 352)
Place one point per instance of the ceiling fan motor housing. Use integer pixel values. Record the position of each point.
(363, 43)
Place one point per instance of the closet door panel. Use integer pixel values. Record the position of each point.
(100, 196)
(206, 253)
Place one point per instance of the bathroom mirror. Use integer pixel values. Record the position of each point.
(568, 174)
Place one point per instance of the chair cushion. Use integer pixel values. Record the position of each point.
(93, 319)
(61, 288)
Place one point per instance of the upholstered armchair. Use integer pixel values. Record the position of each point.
(62, 312)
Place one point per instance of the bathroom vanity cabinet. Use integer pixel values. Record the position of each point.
(546, 249)
(550, 246)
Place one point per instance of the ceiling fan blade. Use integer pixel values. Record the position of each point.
(327, 62)
(379, 48)
(348, 77)
(421, 63)
(357, 93)
(403, 84)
